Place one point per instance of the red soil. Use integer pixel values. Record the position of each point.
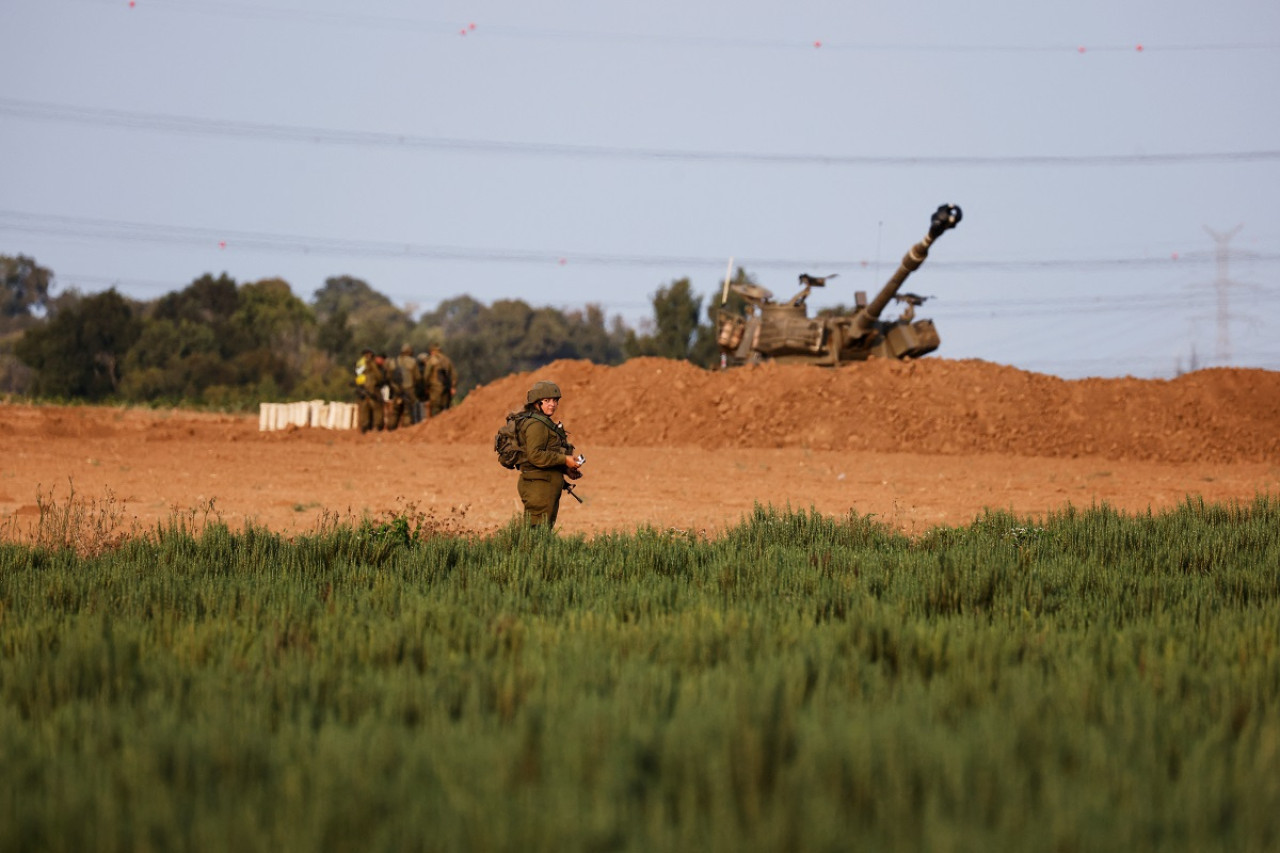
(670, 446)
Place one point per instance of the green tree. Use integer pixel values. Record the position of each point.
(221, 343)
(173, 361)
(591, 338)
(676, 332)
(271, 315)
(279, 326)
(334, 337)
(510, 336)
(452, 318)
(209, 302)
(24, 301)
(496, 348)
(374, 319)
(78, 352)
(24, 292)
(546, 338)
(206, 300)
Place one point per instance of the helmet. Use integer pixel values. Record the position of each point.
(544, 390)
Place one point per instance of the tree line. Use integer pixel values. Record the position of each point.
(222, 343)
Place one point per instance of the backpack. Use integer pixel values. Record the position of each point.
(507, 442)
(404, 372)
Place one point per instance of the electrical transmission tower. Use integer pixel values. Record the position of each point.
(1222, 283)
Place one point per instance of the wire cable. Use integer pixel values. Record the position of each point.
(191, 125)
(117, 230)
(691, 40)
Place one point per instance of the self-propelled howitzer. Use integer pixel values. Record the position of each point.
(783, 331)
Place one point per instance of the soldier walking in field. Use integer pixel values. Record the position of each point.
(440, 379)
(548, 456)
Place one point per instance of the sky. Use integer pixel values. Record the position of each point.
(588, 152)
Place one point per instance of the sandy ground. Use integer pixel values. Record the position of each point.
(670, 446)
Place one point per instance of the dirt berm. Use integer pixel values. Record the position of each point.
(671, 446)
(930, 406)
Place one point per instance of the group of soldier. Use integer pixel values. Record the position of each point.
(402, 391)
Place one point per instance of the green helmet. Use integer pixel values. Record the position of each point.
(544, 390)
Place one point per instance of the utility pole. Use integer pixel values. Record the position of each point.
(1223, 284)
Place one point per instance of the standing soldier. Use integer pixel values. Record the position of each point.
(369, 383)
(548, 456)
(386, 389)
(424, 392)
(393, 404)
(441, 380)
(407, 378)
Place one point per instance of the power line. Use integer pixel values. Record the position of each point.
(959, 309)
(1082, 305)
(692, 40)
(123, 231)
(194, 126)
(1223, 284)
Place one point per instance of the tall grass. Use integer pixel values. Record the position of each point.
(1092, 681)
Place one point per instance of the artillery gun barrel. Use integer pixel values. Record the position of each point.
(946, 217)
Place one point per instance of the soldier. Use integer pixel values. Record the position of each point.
(393, 399)
(440, 379)
(549, 457)
(420, 390)
(369, 383)
(406, 379)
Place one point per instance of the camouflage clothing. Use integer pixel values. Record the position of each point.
(543, 471)
(370, 381)
(406, 377)
(440, 379)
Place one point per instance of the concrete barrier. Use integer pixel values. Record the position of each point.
(312, 413)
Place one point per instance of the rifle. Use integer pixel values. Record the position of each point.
(573, 474)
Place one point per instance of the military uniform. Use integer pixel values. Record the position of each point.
(406, 378)
(546, 461)
(542, 473)
(370, 380)
(440, 379)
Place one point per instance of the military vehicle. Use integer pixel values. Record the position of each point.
(783, 331)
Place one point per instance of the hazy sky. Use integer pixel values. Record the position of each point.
(576, 152)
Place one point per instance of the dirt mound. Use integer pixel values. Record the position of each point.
(671, 446)
(932, 406)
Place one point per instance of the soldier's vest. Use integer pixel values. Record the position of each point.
(403, 372)
(556, 429)
(437, 372)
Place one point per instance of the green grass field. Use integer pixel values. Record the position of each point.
(1089, 682)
